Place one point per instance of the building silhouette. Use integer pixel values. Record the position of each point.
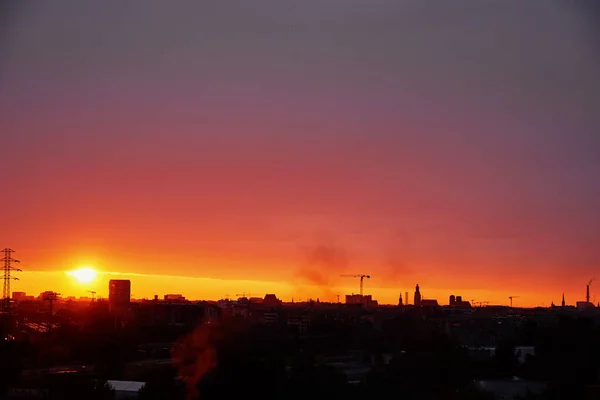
(417, 296)
(271, 300)
(119, 295)
(429, 303)
(452, 301)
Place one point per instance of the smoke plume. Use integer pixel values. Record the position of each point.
(322, 263)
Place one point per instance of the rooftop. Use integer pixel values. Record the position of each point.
(126, 386)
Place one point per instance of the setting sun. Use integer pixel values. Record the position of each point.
(84, 275)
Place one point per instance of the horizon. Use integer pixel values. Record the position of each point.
(193, 287)
(212, 146)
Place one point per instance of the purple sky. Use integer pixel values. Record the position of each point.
(447, 135)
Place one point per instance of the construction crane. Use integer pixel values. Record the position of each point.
(511, 299)
(243, 294)
(93, 295)
(361, 276)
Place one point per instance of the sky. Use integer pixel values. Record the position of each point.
(217, 147)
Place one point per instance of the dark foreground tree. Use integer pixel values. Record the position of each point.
(160, 388)
(79, 387)
(10, 365)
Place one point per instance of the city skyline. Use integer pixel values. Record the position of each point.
(283, 147)
(207, 289)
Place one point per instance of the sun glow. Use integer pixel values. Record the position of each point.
(84, 275)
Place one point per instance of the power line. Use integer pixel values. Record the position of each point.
(8, 261)
(50, 297)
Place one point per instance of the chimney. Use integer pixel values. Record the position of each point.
(587, 293)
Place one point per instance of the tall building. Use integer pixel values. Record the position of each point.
(406, 298)
(354, 299)
(18, 296)
(400, 304)
(417, 296)
(452, 300)
(563, 301)
(366, 301)
(49, 295)
(119, 294)
(271, 300)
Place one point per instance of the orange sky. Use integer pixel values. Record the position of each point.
(276, 148)
(382, 289)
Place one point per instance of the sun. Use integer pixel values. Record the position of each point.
(84, 275)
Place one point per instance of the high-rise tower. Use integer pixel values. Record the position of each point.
(119, 295)
(452, 300)
(417, 296)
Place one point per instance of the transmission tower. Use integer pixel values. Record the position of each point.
(50, 297)
(8, 261)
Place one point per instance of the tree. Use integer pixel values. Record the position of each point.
(472, 393)
(432, 367)
(79, 387)
(506, 361)
(162, 387)
(10, 370)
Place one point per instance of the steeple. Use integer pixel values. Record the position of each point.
(563, 300)
(417, 296)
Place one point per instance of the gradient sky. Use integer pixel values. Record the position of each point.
(451, 144)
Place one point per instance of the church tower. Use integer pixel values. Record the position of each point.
(417, 296)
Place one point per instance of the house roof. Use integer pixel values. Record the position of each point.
(126, 386)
